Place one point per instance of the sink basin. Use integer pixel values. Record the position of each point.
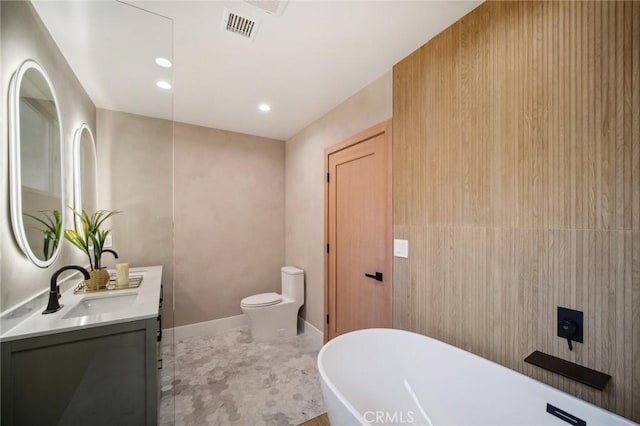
(97, 305)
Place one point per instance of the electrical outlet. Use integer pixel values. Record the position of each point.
(108, 242)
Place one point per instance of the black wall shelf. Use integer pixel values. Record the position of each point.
(587, 376)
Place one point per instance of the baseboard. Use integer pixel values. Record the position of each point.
(167, 336)
(205, 328)
(316, 336)
(210, 328)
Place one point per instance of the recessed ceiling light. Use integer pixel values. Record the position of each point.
(163, 85)
(163, 62)
(264, 107)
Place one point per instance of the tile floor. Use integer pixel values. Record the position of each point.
(229, 380)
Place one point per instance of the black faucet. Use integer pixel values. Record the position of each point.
(54, 305)
(113, 252)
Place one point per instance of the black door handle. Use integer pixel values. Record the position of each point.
(377, 276)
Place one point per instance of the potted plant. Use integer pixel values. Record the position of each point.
(89, 238)
(51, 232)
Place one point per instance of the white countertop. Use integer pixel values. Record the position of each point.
(144, 306)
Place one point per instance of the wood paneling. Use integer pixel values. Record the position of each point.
(517, 183)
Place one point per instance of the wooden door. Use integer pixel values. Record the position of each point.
(358, 232)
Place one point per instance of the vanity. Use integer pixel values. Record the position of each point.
(96, 361)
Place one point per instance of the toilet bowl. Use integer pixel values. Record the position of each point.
(272, 315)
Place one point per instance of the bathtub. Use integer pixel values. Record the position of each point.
(386, 376)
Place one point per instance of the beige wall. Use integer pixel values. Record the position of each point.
(229, 220)
(135, 176)
(516, 182)
(305, 182)
(23, 36)
(225, 235)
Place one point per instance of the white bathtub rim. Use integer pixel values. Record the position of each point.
(358, 416)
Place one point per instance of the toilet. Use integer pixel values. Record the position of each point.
(273, 316)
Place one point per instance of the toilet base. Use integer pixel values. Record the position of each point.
(273, 322)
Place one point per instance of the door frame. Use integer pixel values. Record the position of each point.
(378, 129)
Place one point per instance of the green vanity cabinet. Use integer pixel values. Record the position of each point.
(103, 375)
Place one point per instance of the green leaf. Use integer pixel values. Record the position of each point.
(52, 221)
(104, 215)
(91, 238)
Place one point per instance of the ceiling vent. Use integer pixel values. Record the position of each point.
(273, 7)
(234, 22)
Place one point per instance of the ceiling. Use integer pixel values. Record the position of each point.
(303, 63)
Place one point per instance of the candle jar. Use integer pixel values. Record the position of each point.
(122, 274)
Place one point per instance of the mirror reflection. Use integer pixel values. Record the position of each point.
(85, 172)
(36, 168)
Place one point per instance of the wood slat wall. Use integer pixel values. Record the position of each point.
(517, 183)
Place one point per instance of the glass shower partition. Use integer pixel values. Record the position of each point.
(111, 48)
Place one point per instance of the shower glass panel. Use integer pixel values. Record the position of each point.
(111, 47)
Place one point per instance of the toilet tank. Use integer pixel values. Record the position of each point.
(293, 283)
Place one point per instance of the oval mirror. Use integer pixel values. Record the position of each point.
(85, 174)
(35, 164)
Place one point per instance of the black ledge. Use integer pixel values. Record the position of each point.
(587, 376)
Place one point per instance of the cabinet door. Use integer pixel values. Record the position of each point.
(97, 376)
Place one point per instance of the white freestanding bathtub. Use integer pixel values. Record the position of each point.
(386, 376)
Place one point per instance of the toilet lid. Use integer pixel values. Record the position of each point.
(262, 299)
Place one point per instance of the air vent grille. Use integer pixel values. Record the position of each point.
(240, 25)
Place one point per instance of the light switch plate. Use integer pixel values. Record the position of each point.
(401, 248)
(108, 242)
